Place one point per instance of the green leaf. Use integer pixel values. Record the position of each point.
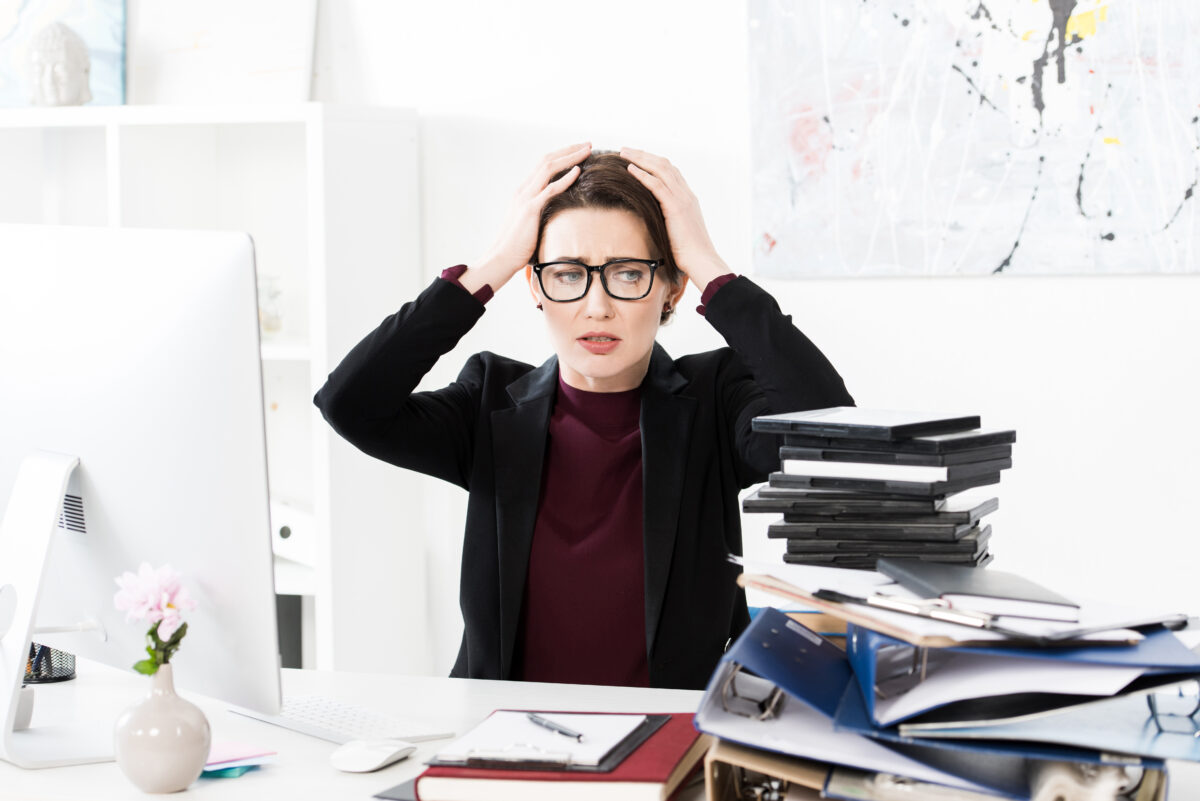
(178, 635)
(147, 666)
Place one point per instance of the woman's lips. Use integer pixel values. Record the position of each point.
(599, 343)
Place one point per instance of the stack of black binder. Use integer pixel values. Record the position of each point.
(856, 485)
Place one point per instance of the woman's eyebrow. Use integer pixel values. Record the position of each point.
(581, 260)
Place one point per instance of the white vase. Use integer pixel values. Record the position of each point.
(162, 741)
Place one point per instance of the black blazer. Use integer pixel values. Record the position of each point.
(486, 432)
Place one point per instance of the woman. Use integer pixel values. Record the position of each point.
(603, 484)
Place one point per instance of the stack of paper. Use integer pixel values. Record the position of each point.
(858, 484)
(952, 710)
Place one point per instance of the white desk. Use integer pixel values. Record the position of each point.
(302, 769)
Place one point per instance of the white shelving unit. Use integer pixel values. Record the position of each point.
(329, 194)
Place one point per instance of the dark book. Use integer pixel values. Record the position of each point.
(973, 543)
(857, 562)
(858, 423)
(822, 506)
(935, 443)
(968, 456)
(899, 489)
(856, 530)
(990, 591)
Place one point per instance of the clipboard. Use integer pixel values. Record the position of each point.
(513, 756)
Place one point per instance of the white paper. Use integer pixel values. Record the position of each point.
(1110, 617)
(512, 735)
(893, 472)
(814, 577)
(966, 675)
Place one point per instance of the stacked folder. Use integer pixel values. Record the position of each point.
(856, 484)
(997, 707)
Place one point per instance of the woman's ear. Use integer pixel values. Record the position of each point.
(677, 294)
(537, 298)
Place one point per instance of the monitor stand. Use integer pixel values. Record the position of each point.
(25, 536)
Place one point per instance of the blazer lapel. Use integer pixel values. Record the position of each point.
(666, 423)
(519, 448)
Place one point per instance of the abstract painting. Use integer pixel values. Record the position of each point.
(962, 137)
(101, 24)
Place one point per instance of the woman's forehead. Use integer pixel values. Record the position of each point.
(595, 235)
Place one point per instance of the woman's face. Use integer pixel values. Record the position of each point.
(603, 344)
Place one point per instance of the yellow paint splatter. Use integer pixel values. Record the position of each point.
(1084, 23)
(1025, 36)
(1112, 140)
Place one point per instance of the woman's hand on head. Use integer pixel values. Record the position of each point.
(691, 246)
(513, 249)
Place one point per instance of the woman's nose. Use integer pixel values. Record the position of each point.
(597, 301)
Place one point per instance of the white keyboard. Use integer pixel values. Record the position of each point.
(338, 722)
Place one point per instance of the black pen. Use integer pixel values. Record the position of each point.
(554, 727)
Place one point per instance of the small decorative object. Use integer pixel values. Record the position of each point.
(60, 67)
(270, 313)
(99, 23)
(161, 742)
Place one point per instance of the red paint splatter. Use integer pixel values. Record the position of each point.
(768, 241)
(1091, 109)
(810, 138)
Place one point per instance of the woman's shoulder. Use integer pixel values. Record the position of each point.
(487, 368)
(710, 364)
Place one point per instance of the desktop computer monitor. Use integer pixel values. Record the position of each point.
(135, 352)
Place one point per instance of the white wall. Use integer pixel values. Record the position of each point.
(1100, 376)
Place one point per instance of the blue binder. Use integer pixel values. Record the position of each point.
(814, 674)
(1160, 654)
(988, 755)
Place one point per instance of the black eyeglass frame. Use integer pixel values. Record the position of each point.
(653, 264)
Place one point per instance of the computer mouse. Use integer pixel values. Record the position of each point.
(364, 756)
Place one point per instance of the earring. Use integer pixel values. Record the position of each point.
(667, 308)
(539, 307)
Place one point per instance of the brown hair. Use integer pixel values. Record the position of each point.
(605, 182)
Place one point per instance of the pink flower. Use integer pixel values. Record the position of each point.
(155, 596)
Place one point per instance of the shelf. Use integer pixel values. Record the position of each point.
(100, 116)
(293, 578)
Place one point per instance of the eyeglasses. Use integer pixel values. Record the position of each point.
(1174, 710)
(623, 279)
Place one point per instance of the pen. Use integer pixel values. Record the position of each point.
(554, 727)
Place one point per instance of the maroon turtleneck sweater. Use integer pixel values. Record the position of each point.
(583, 620)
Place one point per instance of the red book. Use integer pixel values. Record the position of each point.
(652, 772)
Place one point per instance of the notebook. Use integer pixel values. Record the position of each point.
(652, 772)
(991, 591)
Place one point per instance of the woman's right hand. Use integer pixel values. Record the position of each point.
(513, 249)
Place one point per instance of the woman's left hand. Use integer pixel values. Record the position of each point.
(691, 246)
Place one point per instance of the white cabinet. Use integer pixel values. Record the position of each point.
(330, 196)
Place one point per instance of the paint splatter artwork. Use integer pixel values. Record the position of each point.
(959, 137)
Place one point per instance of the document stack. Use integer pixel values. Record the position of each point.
(1053, 699)
(859, 484)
